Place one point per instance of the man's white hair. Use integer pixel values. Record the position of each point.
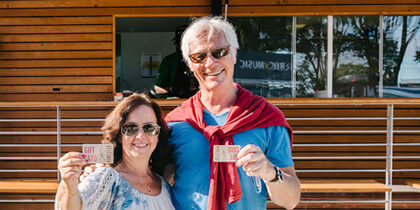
(208, 27)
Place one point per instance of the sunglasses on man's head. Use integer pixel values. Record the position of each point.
(216, 53)
(150, 129)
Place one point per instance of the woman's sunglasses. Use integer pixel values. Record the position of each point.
(216, 53)
(150, 129)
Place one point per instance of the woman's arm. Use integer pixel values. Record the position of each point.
(68, 199)
(70, 167)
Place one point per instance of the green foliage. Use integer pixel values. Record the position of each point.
(264, 34)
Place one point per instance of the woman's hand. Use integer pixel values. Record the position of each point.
(90, 169)
(70, 167)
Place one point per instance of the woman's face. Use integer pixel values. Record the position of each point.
(140, 145)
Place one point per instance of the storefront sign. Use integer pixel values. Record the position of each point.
(266, 74)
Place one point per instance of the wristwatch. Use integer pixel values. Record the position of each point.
(279, 176)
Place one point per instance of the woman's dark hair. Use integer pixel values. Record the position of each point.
(112, 130)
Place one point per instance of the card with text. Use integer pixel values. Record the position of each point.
(99, 153)
(226, 153)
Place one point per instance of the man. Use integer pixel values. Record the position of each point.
(224, 113)
(174, 79)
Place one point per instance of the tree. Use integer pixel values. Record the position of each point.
(311, 42)
(363, 42)
(267, 34)
(405, 28)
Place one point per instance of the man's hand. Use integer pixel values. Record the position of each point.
(255, 163)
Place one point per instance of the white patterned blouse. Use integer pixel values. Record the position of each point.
(107, 189)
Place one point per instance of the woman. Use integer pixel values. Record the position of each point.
(140, 138)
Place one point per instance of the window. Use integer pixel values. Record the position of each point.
(264, 62)
(401, 71)
(311, 56)
(284, 57)
(138, 40)
(356, 56)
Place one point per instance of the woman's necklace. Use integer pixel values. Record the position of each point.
(147, 185)
(142, 181)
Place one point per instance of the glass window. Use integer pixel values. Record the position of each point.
(311, 56)
(401, 71)
(141, 45)
(264, 62)
(356, 56)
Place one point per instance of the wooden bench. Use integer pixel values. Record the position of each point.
(29, 186)
(345, 185)
(415, 184)
(48, 188)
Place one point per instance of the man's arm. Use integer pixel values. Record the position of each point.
(160, 90)
(255, 163)
(286, 193)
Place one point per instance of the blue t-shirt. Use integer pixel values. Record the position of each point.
(191, 158)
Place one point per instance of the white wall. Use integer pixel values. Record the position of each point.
(132, 46)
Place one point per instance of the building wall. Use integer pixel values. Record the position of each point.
(63, 50)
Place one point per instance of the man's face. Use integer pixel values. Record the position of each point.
(212, 73)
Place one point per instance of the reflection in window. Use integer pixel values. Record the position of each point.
(356, 56)
(311, 59)
(264, 62)
(264, 59)
(401, 72)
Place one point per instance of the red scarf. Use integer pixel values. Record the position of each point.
(248, 112)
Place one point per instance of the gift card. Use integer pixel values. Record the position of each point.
(99, 153)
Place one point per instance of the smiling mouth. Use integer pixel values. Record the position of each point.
(141, 145)
(213, 74)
